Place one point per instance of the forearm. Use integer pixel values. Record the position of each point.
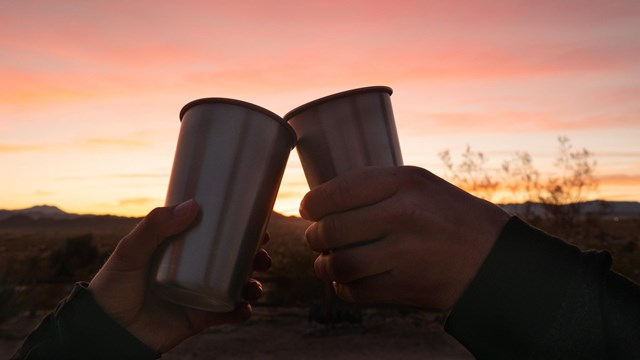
(79, 329)
(538, 297)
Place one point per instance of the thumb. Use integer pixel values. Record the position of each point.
(135, 249)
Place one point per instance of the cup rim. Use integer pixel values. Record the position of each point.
(335, 96)
(221, 100)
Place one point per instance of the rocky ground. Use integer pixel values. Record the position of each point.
(285, 333)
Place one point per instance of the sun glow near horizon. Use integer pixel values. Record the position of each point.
(89, 93)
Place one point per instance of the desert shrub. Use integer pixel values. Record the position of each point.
(77, 259)
(12, 297)
(554, 203)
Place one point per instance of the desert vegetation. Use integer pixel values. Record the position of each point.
(40, 259)
(561, 203)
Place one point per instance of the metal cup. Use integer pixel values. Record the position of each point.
(345, 131)
(230, 158)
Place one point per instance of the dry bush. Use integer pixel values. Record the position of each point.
(554, 203)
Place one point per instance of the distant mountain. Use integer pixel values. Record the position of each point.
(47, 216)
(609, 209)
(38, 212)
(42, 215)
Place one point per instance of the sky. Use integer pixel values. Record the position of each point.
(90, 91)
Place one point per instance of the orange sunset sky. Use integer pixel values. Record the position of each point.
(90, 90)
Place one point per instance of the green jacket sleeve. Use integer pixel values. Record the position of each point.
(537, 297)
(79, 329)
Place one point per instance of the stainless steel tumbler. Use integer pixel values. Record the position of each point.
(230, 158)
(344, 131)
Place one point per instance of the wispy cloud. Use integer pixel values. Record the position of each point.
(21, 148)
(515, 121)
(620, 179)
(122, 142)
(141, 201)
(71, 76)
(139, 176)
(133, 176)
(296, 49)
(129, 142)
(620, 154)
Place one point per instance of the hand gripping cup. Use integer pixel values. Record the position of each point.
(230, 158)
(345, 131)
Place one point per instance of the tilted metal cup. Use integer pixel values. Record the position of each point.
(230, 158)
(345, 131)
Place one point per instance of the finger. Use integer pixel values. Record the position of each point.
(373, 289)
(354, 189)
(252, 291)
(266, 238)
(262, 261)
(352, 227)
(136, 249)
(354, 263)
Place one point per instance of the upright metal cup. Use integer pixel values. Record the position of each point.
(345, 131)
(230, 158)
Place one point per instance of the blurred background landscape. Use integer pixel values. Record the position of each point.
(44, 250)
(531, 105)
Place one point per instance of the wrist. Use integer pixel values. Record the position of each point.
(486, 231)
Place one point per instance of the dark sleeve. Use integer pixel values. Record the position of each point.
(79, 329)
(537, 297)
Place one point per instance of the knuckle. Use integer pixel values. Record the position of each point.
(408, 205)
(155, 213)
(408, 213)
(307, 206)
(154, 218)
(339, 267)
(153, 224)
(328, 232)
(341, 191)
(329, 268)
(413, 175)
(314, 239)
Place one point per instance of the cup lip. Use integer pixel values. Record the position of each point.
(335, 96)
(221, 100)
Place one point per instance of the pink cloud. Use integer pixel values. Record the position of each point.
(619, 179)
(20, 148)
(508, 122)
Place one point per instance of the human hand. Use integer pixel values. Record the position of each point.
(122, 290)
(399, 235)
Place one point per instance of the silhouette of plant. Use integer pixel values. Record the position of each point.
(77, 259)
(554, 203)
(522, 181)
(471, 173)
(564, 194)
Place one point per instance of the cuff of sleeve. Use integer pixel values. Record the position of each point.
(516, 294)
(90, 333)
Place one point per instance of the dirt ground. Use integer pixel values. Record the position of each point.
(284, 333)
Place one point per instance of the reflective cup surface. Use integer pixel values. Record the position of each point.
(230, 158)
(345, 131)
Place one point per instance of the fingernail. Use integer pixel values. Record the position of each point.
(303, 213)
(182, 209)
